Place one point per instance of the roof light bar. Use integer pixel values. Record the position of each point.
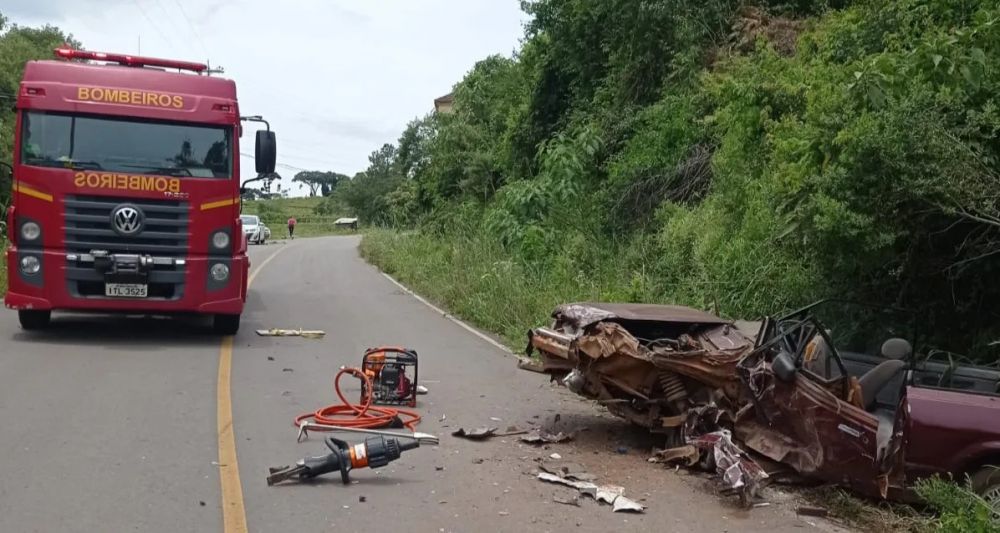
(129, 60)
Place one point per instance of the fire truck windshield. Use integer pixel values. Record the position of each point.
(129, 145)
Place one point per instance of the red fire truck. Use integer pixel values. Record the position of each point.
(126, 192)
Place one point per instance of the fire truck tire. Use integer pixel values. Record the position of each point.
(226, 324)
(33, 319)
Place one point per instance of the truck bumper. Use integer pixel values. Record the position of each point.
(53, 289)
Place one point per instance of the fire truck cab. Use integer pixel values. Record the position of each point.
(126, 190)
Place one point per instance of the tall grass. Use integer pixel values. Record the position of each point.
(478, 280)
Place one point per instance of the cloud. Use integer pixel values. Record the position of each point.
(336, 78)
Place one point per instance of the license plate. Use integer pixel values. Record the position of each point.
(126, 290)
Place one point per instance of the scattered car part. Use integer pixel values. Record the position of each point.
(374, 452)
(540, 436)
(305, 333)
(610, 494)
(361, 415)
(738, 471)
(480, 433)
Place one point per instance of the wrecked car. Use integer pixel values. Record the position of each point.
(871, 415)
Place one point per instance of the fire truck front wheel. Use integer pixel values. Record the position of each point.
(226, 324)
(33, 319)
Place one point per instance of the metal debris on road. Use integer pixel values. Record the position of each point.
(818, 512)
(480, 433)
(687, 454)
(610, 494)
(739, 472)
(572, 471)
(304, 333)
(531, 365)
(574, 501)
(540, 436)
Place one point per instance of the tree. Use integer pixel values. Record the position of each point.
(19, 45)
(316, 179)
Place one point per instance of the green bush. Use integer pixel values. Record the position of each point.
(959, 509)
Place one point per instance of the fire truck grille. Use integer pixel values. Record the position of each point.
(164, 233)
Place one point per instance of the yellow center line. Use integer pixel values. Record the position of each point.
(234, 515)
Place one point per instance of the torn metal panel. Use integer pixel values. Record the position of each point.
(738, 471)
(610, 494)
(687, 454)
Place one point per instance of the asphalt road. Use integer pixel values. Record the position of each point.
(110, 423)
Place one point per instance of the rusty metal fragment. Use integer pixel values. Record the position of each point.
(480, 433)
(687, 454)
(739, 472)
(540, 436)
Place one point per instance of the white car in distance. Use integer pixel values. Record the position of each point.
(253, 229)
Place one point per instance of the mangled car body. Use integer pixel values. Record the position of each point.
(781, 388)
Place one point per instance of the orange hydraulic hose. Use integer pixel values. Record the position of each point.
(362, 415)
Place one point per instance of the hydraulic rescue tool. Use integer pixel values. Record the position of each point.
(374, 452)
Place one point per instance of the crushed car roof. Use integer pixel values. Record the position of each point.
(594, 312)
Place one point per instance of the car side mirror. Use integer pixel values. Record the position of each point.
(783, 367)
(896, 348)
(266, 152)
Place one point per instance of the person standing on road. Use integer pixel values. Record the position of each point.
(291, 227)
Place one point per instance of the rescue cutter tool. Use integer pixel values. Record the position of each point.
(374, 452)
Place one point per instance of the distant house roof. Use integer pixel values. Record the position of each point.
(443, 104)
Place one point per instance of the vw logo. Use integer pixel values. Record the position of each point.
(127, 220)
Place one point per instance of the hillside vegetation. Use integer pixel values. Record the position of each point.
(742, 157)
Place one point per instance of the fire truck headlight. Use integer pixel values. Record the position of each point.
(220, 272)
(30, 231)
(30, 264)
(220, 240)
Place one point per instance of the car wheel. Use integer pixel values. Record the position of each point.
(226, 324)
(33, 319)
(986, 483)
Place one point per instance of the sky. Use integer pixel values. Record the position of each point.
(335, 78)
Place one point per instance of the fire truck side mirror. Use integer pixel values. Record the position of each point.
(266, 153)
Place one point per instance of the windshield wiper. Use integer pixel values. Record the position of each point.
(70, 164)
(84, 165)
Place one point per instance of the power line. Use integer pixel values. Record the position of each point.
(284, 165)
(191, 25)
(153, 24)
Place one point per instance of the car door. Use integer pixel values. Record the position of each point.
(812, 422)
